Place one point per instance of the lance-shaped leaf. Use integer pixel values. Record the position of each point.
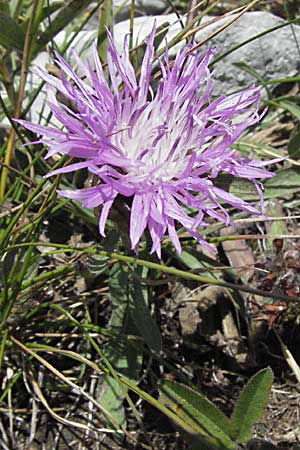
(251, 405)
(11, 34)
(140, 313)
(294, 143)
(204, 419)
(124, 356)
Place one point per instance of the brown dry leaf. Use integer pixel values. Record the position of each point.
(239, 254)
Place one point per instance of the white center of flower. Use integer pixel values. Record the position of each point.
(158, 142)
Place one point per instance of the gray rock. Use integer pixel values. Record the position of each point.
(121, 10)
(272, 56)
(142, 8)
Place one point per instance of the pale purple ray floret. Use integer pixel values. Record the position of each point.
(162, 150)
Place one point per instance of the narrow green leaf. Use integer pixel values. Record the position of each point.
(44, 13)
(294, 143)
(49, 9)
(65, 16)
(194, 259)
(11, 34)
(160, 35)
(291, 107)
(104, 21)
(243, 188)
(281, 80)
(140, 313)
(285, 178)
(240, 187)
(36, 19)
(250, 405)
(286, 181)
(111, 396)
(247, 68)
(204, 418)
(124, 356)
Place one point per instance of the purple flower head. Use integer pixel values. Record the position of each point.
(161, 149)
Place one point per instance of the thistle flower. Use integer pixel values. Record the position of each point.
(161, 150)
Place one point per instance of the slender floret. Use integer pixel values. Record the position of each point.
(161, 150)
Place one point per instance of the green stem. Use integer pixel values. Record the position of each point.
(2, 346)
(64, 270)
(131, 23)
(21, 90)
(165, 269)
